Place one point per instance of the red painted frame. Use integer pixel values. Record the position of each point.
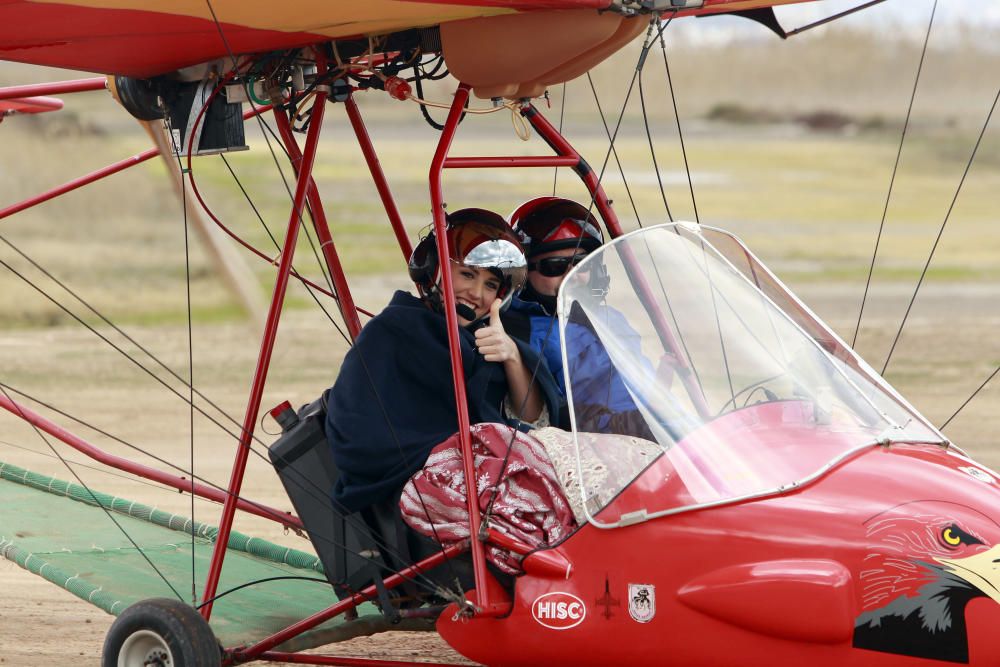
(486, 602)
(346, 302)
(54, 88)
(180, 483)
(375, 167)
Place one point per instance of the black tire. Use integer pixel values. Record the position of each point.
(162, 629)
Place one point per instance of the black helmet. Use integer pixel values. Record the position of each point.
(476, 238)
(545, 224)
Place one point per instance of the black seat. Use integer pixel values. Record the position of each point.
(356, 549)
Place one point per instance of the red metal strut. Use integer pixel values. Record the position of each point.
(266, 348)
(371, 157)
(121, 165)
(343, 291)
(54, 88)
(483, 601)
(175, 481)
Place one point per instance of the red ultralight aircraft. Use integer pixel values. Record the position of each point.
(799, 510)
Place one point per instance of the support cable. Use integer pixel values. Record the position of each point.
(309, 289)
(947, 216)
(652, 149)
(93, 497)
(687, 170)
(122, 333)
(828, 19)
(190, 342)
(611, 145)
(320, 493)
(955, 414)
(253, 207)
(265, 130)
(124, 353)
(274, 157)
(291, 198)
(895, 168)
(718, 323)
(677, 116)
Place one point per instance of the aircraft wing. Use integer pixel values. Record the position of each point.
(143, 38)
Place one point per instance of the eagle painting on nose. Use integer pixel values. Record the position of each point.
(928, 560)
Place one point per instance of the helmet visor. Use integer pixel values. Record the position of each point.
(495, 253)
(502, 258)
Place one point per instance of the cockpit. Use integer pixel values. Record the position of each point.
(728, 386)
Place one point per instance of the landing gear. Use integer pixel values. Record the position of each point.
(161, 632)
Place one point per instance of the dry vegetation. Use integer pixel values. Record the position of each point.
(809, 202)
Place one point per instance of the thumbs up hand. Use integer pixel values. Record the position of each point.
(493, 342)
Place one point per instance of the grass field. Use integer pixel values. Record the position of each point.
(808, 202)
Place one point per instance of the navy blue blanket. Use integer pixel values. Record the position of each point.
(394, 399)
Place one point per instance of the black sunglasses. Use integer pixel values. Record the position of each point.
(555, 266)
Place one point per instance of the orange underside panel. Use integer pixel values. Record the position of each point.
(143, 38)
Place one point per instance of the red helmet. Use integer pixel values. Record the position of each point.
(476, 237)
(545, 224)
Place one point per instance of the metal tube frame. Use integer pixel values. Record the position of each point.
(561, 146)
(483, 601)
(590, 179)
(182, 484)
(299, 658)
(345, 301)
(264, 357)
(54, 88)
(306, 191)
(31, 105)
(375, 167)
(114, 168)
(260, 649)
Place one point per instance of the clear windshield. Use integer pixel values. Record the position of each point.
(721, 383)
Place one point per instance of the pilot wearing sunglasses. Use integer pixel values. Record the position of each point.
(557, 234)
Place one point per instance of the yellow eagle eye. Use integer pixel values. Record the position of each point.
(950, 537)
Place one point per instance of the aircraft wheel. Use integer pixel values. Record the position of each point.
(160, 632)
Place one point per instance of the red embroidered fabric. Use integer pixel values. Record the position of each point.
(530, 505)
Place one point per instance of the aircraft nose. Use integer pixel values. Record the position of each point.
(981, 571)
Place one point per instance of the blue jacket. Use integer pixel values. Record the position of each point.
(394, 399)
(596, 384)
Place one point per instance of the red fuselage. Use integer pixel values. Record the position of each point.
(800, 578)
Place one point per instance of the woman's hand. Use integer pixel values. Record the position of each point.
(493, 342)
(495, 345)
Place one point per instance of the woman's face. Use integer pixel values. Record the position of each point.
(475, 288)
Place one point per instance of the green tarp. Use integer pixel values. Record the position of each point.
(67, 534)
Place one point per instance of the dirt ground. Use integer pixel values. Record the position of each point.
(947, 350)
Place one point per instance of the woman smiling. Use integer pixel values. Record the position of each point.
(393, 400)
